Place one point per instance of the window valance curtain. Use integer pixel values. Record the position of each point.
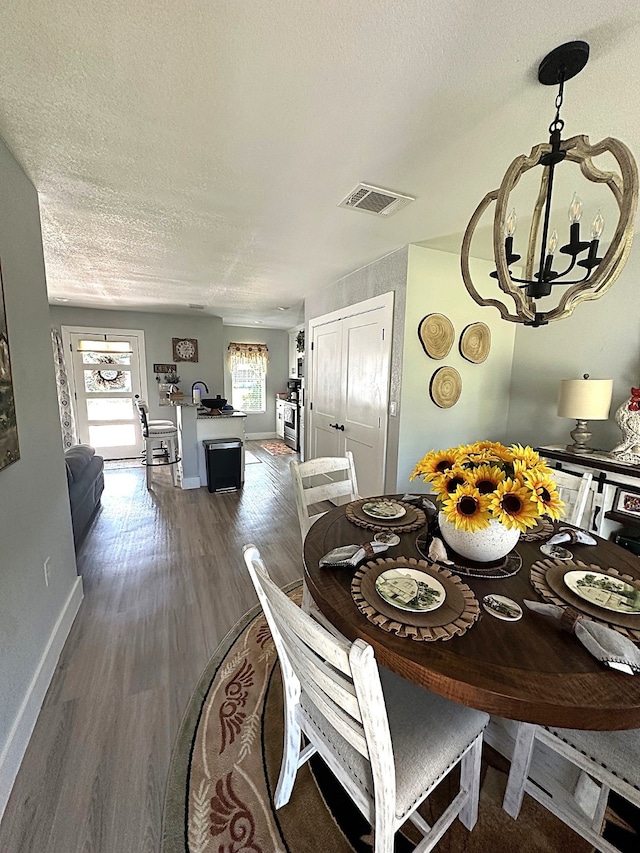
(255, 354)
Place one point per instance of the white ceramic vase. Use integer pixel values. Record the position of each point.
(484, 546)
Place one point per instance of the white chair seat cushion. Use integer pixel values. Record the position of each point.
(428, 733)
(162, 432)
(618, 752)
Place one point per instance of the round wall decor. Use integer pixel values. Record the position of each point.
(436, 335)
(445, 387)
(475, 342)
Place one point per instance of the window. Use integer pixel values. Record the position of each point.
(248, 366)
(248, 387)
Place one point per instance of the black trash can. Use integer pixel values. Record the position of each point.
(224, 463)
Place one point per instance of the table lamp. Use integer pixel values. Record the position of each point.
(585, 400)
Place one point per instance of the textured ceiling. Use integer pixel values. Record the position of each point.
(195, 152)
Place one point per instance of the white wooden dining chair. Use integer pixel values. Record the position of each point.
(327, 478)
(387, 741)
(574, 490)
(611, 760)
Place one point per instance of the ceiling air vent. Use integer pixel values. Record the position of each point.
(375, 200)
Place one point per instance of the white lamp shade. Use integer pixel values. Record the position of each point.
(585, 399)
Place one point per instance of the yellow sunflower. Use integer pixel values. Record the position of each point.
(436, 462)
(512, 504)
(445, 484)
(486, 478)
(467, 509)
(487, 453)
(545, 494)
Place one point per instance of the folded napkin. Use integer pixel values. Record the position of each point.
(572, 535)
(438, 553)
(423, 501)
(348, 556)
(608, 646)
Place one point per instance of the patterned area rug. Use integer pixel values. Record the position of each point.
(277, 448)
(227, 758)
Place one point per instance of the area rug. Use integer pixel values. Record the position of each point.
(226, 762)
(277, 448)
(250, 458)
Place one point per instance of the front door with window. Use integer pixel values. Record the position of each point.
(105, 372)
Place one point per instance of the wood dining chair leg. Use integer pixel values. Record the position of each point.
(519, 772)
(470, 782)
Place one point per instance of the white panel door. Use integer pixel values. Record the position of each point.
(327, 391)
(365, 360)
(349, 391)
(106, 377)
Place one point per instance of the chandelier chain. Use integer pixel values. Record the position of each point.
(558, 124)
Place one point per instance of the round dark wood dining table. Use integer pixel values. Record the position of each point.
(531, 670)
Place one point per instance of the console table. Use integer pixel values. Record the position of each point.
(608, 476)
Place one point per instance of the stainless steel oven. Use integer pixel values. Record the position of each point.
(291, 424)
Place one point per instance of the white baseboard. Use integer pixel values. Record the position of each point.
(15, 747)
(258, 436)
(190, 483)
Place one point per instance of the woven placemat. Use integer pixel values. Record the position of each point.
(542, 530)
(453, 618)
(413, 519)
(538, 575)
(505, 568)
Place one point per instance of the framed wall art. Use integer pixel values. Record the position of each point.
(627, 503)
(9, 448)
(164, 368)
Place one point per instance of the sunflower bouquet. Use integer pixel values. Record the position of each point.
(476, 483)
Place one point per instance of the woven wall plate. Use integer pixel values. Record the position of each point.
(475, 342)
(542, 530)
(412, 520)
(445, 387)
(542, 582)
(453, 618)
(436, 335)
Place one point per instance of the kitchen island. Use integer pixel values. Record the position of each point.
(196, 426)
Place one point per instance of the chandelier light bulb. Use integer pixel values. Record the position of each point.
(575, 209)
(552, 245)
(597, 226)
(511, 223)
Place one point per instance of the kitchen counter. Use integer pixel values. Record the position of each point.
(194, 427)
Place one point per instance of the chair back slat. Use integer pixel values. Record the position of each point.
(311, 669)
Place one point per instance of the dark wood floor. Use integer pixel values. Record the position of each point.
(164, 580)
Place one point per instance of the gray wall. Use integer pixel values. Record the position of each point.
(434, 284)
(384, 275)
(159, 329)
(35, 521)
(277, 340)
(601, 338)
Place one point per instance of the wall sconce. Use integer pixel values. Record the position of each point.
(584, 274)
(585, 400)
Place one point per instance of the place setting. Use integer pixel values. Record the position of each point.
(413, 599)
(385, 514)
(603, 595)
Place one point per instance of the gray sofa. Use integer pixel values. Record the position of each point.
(85, 478)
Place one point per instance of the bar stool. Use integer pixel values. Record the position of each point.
(160, 443)
(153, 422)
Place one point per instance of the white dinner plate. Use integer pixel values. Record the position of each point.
(388, 510)
(605, 591)
(410, 589)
